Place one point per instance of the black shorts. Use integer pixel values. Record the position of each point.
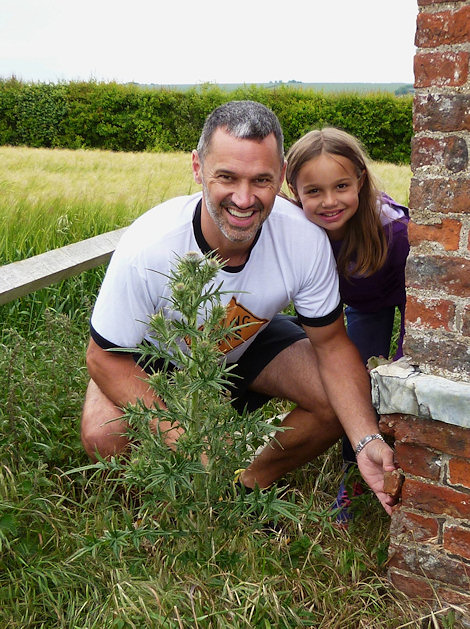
(282, 331)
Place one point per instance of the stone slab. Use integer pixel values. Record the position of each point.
(400, 387)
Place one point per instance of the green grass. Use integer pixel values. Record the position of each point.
(71, 553)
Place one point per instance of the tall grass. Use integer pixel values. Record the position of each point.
(67, 558)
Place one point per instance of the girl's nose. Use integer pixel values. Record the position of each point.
(329, 200)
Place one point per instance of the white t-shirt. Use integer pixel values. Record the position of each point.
(291, 260)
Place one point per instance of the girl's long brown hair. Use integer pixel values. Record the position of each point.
(364, 248)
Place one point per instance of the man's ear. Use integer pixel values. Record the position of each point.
(197, 167)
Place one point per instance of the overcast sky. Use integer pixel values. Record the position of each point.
(184, 41)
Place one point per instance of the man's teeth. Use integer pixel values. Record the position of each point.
(240, 214)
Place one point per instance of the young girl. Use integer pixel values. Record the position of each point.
(328, 175)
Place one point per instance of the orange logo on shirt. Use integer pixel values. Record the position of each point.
(238, 315)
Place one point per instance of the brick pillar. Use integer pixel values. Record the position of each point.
(425, 407)
(438, 270)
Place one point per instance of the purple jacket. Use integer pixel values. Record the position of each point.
(386, 287)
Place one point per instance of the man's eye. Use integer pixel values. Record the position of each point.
(225, 177)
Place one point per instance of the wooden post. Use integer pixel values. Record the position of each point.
(23, 277)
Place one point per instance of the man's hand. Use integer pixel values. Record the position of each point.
(373, 460)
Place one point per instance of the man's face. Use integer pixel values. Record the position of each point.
(240, 180)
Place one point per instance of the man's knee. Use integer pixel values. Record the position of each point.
(102, 430)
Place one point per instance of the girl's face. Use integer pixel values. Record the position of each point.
(328, 189)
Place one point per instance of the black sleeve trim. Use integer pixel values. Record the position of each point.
(104, 343)
(319, 322)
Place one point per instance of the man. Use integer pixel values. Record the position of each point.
(273, 256)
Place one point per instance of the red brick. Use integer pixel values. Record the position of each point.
(443, 28)
(435, 499)
(440, 195)
(451, 151)
(466, 320)
(430, 433)
(454, 597)
(418, 461)
(456, 540)
(447, 233)
(441, 351)
(425, 3)
(441, 112)
(412, 586)
(431, 563)
(427, 272)
(430, 313)
(412, 527)
(445, 69)
(459, 472)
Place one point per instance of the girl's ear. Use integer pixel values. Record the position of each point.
(293, 192)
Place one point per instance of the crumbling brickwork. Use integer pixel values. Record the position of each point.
(429, 555)
(438, 271)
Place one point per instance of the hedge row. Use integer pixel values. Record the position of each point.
(131, 118)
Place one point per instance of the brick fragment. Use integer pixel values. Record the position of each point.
(466, 319)
(435, 499)
(425, 3)
(431, 563)
(435, 111)
(412, 586)
(454, 440)
(440, 195)
(446, 233)
(393, 482)
(456, 597)
(412, 527)
(441, 352)
(456, 540)
(430, 313)
(459, 472)
(446, 69)
(451, 151)
(443, 28)
(427, 272)
(418, 461)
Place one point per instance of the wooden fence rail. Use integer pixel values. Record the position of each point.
(26, 276)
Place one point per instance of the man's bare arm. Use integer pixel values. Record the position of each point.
(347, 385)
(119, 377)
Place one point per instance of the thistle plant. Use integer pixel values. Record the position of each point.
(189, 487)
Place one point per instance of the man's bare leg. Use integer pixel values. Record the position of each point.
(99, 432)
(313, 426)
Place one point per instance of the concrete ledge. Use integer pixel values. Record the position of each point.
(399, 387)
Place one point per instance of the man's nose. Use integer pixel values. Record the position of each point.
(243, 195)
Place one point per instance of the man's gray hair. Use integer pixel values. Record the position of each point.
(243, 119)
